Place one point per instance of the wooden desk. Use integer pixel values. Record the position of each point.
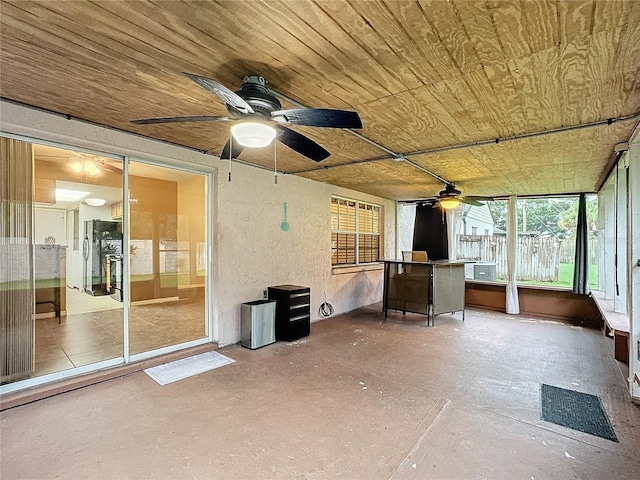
(429, 288)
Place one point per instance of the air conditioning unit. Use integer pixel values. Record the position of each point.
(484, 271)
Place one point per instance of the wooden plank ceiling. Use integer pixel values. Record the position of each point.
(423, 75)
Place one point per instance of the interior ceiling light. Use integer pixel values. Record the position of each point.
(87, 166)
(449, 203)
(253, 134)
(95, 202)
(64, 195)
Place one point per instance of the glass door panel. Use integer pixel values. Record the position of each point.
(77, 259)
(167, 264)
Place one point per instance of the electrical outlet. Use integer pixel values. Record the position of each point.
(265, 294)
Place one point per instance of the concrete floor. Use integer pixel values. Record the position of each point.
(359, 398)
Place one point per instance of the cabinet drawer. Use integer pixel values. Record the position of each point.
(296, 310)
(299, 299)
(302, 316)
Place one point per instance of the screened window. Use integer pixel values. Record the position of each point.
(355, 232)
(545, 245)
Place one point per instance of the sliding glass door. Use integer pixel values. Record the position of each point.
(90, 276)
(167, 252)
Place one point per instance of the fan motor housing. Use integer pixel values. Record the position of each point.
(255, 93)
(450, 191)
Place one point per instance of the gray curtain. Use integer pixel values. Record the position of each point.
(581, 266)
(17, 328)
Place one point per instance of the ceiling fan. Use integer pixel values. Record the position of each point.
(260, 118)
(450, 198)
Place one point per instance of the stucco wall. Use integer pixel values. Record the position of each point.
(250, 251)
(406, 221)
(253, 252)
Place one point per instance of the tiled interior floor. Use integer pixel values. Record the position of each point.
(92, 331)
(81, 302)
(359, 398)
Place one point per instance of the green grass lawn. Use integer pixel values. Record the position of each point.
(565, 277)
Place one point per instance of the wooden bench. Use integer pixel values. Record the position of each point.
(616, 325)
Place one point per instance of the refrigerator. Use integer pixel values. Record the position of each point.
(102, 241)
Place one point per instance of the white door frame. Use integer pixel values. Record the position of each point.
(210, 327)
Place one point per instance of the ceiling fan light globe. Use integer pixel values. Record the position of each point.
(253, 134)
(76, 167)
(449, 203)
(92, 169)
(95, 202)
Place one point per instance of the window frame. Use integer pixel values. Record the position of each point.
(356, 232)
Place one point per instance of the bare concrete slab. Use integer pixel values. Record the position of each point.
(359, 398)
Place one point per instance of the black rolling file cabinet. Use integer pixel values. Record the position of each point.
(293, 311)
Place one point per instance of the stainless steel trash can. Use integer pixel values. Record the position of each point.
(257, 323)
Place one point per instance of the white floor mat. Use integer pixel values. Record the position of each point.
(187, 367)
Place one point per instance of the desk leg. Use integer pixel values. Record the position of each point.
(57, 304)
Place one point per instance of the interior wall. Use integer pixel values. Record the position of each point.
(633, 259)
(406, 223)
(191, 223)
(250, 251)
(155, 198)
(50, 222)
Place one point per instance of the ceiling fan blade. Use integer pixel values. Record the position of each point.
(471, 201)
(422, 201)
(318, 117)
(195, 118)
(301, 144)
(481, 199)
(237, 149)
(223, 92)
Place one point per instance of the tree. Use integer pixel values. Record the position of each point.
(550, 216)
(569, 219)
(542, 215)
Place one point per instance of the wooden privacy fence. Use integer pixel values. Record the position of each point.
(538, 258)
(568, 250)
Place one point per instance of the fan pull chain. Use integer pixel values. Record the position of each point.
(275, 162)
(230, 154)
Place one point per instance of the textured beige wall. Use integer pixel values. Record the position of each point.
(250, 251)
(254, 253)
